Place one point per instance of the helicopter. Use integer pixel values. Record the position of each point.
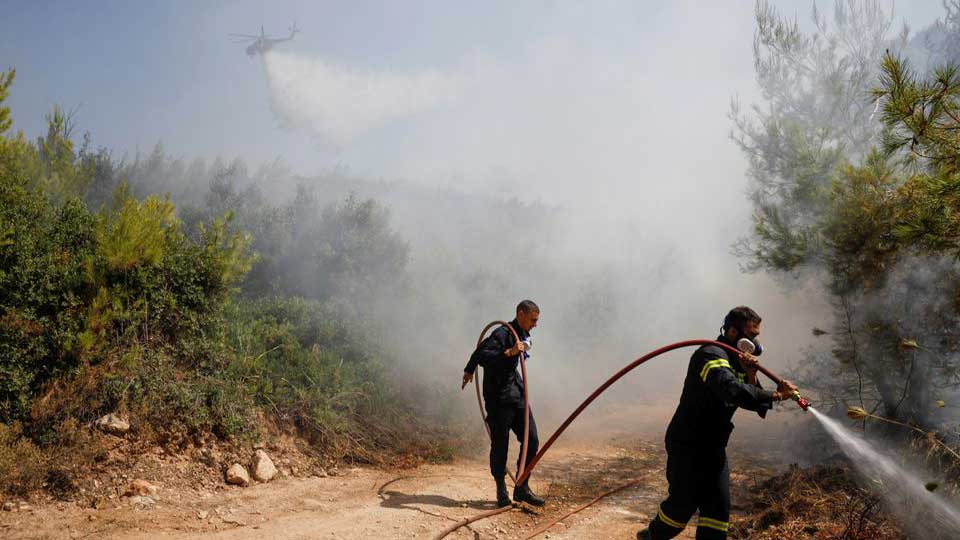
(261, 44)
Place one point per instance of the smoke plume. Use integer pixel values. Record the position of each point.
(339, 104)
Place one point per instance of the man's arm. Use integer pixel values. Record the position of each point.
(722, 381)
(491, 348)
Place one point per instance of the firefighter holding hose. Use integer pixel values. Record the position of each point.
(717, 383)
(499, 354)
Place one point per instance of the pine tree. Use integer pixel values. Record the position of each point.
(6, 80)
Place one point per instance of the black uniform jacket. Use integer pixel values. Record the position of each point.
(502, 385)
(713, 389)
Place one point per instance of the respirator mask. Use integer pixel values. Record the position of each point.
(749, 346)
(744, 344)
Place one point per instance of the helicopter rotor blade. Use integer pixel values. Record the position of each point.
(244, 35)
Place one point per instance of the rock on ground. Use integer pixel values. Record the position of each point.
(112, 423)
(237, 475)
(263, 467)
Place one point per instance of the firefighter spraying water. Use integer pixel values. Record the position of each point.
(717, 384)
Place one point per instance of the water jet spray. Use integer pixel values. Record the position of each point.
(908, 496)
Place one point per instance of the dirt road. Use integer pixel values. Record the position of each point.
(370, 503)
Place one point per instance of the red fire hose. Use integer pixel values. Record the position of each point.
(524, 472)
(627, 369)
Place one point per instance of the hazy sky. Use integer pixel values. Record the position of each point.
(549, 100)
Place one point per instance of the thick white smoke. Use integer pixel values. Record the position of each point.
(628, 153)
(339, 104)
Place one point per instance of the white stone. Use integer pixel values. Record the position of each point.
(111, 423)
(263, 468)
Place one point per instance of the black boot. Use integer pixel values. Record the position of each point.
(522, 493)
(503, 496)
(643, 535)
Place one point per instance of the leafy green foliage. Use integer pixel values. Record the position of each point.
(136, 233)
(78, 287)
(304, 362)
(922, 118)
(812, 121)
(921, 115)
(42, 291)
(856, 226)
(874, 226)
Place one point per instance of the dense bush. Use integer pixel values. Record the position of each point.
(195, 321)
(76, 286)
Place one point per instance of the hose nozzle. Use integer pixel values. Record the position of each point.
(801, 401)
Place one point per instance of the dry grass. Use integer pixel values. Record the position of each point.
(819, 503)
(26, 468)
(23, 466)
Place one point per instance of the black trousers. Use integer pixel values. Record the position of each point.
(699, 481)
(503, 419)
